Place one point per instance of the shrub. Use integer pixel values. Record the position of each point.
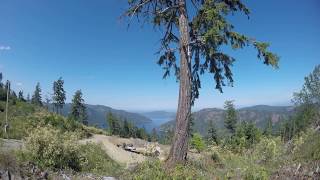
(268, 150)
(48, 147)
(155, 170)
(307, 147)
(95, 160)
(197, 142)
(253, 173)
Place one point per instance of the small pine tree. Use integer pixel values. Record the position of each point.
(154, 135)
(114, 124)
(21, 97)
(78, 108)
(125, 132)
(197, 142)
(212, 133)
(230, 117)
(59, 95)
(36, 97)
(269, 128)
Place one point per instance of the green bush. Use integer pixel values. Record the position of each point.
(307, 147)
(96, 161)
(253, 173)
(268, 150)
(155, 170)
(48, 147)
(197, 142)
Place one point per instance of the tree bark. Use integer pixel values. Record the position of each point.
(179, 148)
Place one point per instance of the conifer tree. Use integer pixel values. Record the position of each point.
(230, 120)
(59, 95)
(154, 135)
(195, 30)
(36, 97)
(126, 129)
(21, 97)
(78, 108)
(114, 124)
(212, 133)
(28, 98)
(268, 130)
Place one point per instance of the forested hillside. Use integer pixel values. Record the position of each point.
(259, 114)
(97, 115)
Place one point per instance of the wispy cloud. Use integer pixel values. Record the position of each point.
(19, 84)
(5, 48)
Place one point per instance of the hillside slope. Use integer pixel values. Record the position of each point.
(258, 114)
(97, 115)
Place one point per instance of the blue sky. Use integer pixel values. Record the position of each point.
(85, 42)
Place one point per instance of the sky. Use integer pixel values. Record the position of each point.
(87, 44)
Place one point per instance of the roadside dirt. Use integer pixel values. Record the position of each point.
(121, 156)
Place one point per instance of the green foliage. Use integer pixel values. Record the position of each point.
(21, 97)
(307, 146)
(24, 117)
(36, 97)
(268, 150)
(212, 136)
(156, 170)
(208, 31)
(114, 124)
(125, 128)
(96, 161)
(78, 109)
(59, 95)
(246, 135)
(269, 128)
(230, 117)
(154, 135)
(50, 148)
(310, 93)
(197, 142)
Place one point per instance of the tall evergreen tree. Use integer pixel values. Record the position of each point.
(36, 97)
(230, 119)
(196, 30)
(59, 95)
(78, 108)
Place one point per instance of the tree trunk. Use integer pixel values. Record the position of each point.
(179, 148)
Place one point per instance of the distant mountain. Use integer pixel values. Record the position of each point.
(258, 114)
(97, 115)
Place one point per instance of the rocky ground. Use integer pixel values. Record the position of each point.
(299, 171)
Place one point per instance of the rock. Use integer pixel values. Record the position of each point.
(108, 178)
(65, 177)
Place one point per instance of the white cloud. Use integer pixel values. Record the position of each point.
(5, 48)
(19, 84)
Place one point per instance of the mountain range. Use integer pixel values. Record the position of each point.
(258, 114)
(163, 120)
(97, 115)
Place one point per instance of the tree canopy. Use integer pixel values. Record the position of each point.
(209, 30)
